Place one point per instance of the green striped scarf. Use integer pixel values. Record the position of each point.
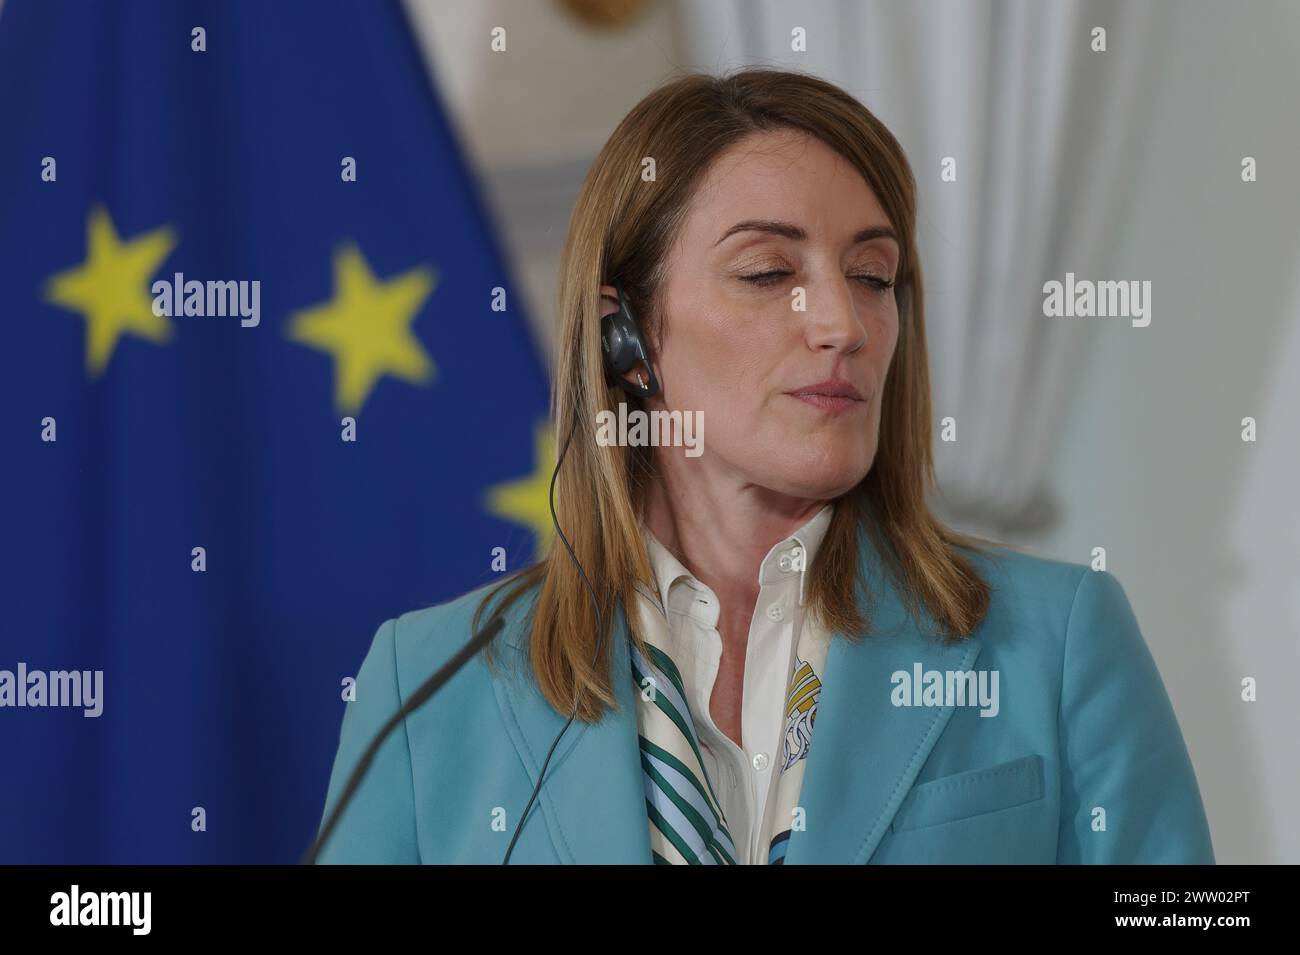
(686, 820)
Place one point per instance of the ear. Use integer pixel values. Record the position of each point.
(608, 300)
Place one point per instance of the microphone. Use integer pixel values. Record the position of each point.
(417, 699)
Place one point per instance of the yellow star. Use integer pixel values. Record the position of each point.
(527, 500)
(366, 327)
(111, 288)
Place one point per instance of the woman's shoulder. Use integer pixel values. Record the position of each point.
(1014, 574)
(417, 643)
(408, 649)
(1066, 603)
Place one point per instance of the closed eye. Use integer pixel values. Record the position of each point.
(875, 282)
(766, 279)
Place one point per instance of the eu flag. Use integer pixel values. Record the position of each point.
(265, 384)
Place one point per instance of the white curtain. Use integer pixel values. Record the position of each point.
(1043, 131)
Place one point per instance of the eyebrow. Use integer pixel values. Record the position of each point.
(791, 231)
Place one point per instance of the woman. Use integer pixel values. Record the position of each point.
(770, 651)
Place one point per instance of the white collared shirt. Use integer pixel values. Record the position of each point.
(741, 778)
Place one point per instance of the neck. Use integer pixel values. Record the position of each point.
(721, 529)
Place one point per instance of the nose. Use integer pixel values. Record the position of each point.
(833, 321)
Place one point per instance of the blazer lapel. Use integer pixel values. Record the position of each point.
(593, 800)
(865, 751)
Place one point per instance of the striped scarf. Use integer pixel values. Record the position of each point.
(687, 824)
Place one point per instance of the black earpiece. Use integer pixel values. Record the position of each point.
(623, 347)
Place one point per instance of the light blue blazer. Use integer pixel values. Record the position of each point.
(1082, 763)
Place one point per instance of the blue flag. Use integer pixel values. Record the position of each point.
(265, 385)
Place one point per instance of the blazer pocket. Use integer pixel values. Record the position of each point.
(972, 793)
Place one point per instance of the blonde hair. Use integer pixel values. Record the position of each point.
(621, 228)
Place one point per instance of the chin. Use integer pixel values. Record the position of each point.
(822, 478)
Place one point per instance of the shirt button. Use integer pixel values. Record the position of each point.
(774, 612)
(760, 761)
(785, 563)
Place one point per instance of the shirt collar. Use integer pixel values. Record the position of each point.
(789, 557)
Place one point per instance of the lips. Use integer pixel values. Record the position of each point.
(834, 388)
(835, 396)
